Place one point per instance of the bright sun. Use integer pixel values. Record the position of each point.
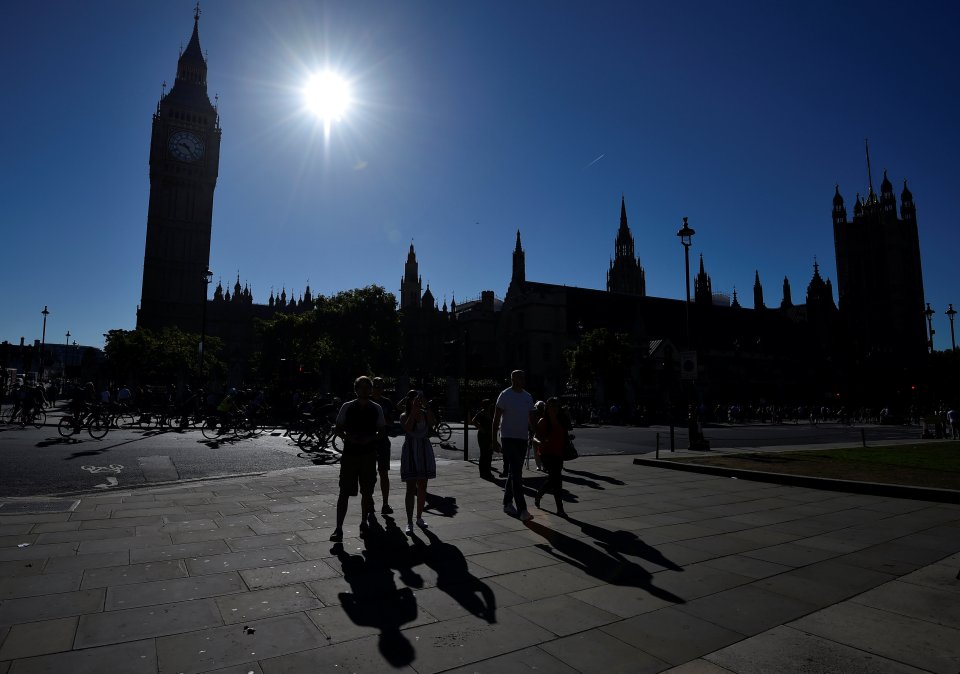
(327, 95)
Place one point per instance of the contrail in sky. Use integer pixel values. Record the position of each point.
(595, 161)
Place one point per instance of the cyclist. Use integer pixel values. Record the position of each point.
(81, 402)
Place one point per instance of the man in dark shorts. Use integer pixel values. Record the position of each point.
(361, 425)
(383, 446)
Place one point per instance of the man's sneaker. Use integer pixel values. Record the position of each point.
(386, 510)
(337, 535)
(421, 523)
(510, 510)
(408, 530)
(525, 516)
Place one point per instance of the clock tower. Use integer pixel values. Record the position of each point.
(184, 161)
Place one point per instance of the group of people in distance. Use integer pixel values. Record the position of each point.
(362, 423)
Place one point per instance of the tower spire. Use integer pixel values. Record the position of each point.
(866, 142)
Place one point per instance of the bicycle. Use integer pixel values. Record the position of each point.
(441, 429)
(316, 434)
(97, 422)
(26, 417)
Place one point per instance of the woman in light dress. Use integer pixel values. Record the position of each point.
(417, 462)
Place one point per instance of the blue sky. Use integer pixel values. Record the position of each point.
(473, 120)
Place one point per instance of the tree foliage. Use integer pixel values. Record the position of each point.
(160, 357)
(352, 332)
(603, 357)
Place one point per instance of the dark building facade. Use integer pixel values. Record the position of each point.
(880, 285)
(184, 162)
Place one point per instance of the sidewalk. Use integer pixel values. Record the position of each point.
(656, 570)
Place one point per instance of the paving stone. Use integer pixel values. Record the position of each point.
(13, 611)
(39, 638)
(183, 551)
(506, 561)
(235, 561)
(167, 591)
(748, 610)
(246, 668)
(362, 655)
(672, 635)
(236, 644)
(597, 651)
(698, 666)
(126, 522)
(533, 659)
(823, 583)
(266, 603)
(135, 657)
(27, 567)
(259, 542)
(546, 582)
(87, 561)
(746, 566)
(923, 603)
(216, 534)
(458, 642)
(85, 535)
(38, 551)
(696, 580)
(941, 576)
(357, 617)
(45, 528)
(285, 574)
(791, 554)
(127, 543)
(564, 615)
(25, 528)
(32, 586)
(133, 573)
(141, 623)
(789, 651)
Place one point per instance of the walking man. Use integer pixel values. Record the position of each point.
(383, 444)
(360, 423)
(512, 419)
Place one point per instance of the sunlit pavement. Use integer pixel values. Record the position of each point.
(652, 570)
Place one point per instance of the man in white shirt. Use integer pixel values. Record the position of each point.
(513, 409)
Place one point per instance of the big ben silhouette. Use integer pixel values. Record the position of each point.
(184, 161)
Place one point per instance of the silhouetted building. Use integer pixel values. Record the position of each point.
(880, 282)
(184, 161)
(625, 274)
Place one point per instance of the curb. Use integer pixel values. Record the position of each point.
(824, 483)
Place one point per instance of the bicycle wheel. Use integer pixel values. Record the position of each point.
(98, 426)
(210, 428)
(334, 442)
(124, 420)
(38, 418)
(443, 431)
(66, 427)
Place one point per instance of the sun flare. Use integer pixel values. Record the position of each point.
(327, 95)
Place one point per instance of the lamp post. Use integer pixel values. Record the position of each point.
(66, 348)
(951, 312)
(207, 277)
(929, 314)
(43, 338)
(686, 239)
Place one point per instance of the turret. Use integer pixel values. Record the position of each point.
(888, 202)
(519, 264)
(703, 287)
(787, 301)
(757, 292)
(839, 210)
(907, 209)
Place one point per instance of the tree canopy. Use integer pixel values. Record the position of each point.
(160, 357)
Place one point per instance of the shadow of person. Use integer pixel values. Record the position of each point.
(445, 506)
(594, 476)
(375, 601)
(618, 543)
(610, 568)
(388, 547)
(454, 577)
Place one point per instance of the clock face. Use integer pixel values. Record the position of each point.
(185, 146)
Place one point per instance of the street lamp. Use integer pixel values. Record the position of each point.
(207, 277)
(686, 239)
(66, 348)
(929, 314)
(951, 312)
(43, 338)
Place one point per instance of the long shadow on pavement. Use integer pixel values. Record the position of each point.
(594, 476)
(454, 577)
(611, 566)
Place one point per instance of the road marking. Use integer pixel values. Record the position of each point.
(111, 481)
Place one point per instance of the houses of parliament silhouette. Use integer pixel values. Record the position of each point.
(871, 347)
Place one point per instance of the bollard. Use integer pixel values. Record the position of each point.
(863, 437)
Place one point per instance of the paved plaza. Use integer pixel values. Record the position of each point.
(654, 570)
